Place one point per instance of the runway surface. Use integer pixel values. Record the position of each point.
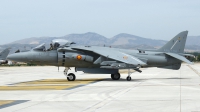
(30, 89)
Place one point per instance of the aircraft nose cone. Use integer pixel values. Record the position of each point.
(15, 57)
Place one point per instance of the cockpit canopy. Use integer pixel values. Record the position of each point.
(55, 44)
(60, 42)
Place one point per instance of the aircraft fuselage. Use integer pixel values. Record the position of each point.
(67, 59)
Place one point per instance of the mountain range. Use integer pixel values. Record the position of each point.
(122, 40)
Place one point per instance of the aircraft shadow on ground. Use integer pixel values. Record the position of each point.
(140, 80)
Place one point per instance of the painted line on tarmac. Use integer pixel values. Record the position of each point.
(33, 87)
(194, 70)
(11, 103)
(84, 84)
(24, 82)
(48, 84)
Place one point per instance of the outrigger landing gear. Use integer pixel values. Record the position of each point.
(70, 76)
(115, 76)
(128, 78)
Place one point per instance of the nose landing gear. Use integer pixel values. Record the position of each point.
(70, 76)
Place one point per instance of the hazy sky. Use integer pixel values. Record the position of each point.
(156, 19)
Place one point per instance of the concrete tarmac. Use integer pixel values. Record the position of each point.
(31, 89)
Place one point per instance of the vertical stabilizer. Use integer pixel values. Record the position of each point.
(4, 54)
(176, 44)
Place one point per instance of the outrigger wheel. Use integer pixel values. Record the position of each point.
(115, 76)
(128, 78)
(71, 77)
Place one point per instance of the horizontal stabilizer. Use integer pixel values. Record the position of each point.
(179, 57)
(188, 55)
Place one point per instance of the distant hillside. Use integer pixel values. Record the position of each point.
(193, 40)
(132, 40)
(83, 39)
(122, 40)
(96, 39)
(15, 47)
(87, 39)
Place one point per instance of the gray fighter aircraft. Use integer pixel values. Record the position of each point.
(105, 60)
(3, 56)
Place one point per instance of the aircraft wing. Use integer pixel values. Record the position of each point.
(113, 54)
(179, 57)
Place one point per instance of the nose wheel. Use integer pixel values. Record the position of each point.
(70, 76)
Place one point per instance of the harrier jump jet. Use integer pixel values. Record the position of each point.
(105, 60)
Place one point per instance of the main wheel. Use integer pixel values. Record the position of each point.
(71, 77)
(128, 78)
(115, 76)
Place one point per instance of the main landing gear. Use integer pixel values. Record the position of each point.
(115, 76)
(70, 76)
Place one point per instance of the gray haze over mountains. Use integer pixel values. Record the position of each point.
(121, 40)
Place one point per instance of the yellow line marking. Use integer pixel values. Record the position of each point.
(51, 87)
(8, 103)
(3, 102)
(59, 81)
(48, 84)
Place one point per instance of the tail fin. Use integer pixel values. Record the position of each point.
(4, 53)
(176, 44)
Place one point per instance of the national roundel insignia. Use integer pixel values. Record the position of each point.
(78, 57)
